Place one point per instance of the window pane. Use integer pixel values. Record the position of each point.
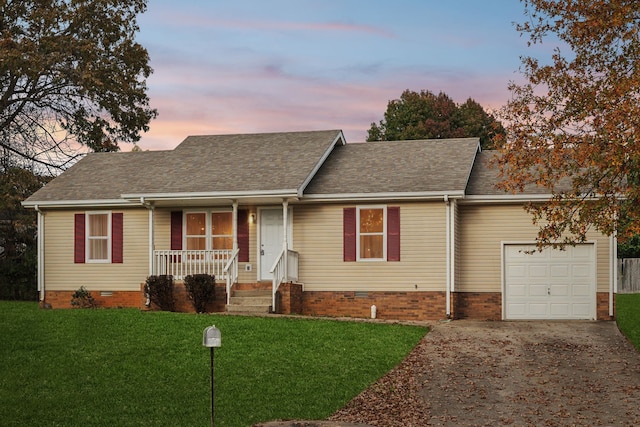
(196, 224)
(222, 223)
(98, 249)
(98, 225)
(222, 243)
(371, 247)
(371, 220)
(196, 243)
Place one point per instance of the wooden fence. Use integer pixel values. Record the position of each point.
(629, 275)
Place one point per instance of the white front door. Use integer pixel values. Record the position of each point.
(551, 284)
(271, 237)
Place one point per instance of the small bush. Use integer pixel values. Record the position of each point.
(82, 299)
(201, 289)
(159, 290)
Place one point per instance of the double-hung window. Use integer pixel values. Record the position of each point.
(208, 230)
(371, 233)
(98, 237)
(371, 241)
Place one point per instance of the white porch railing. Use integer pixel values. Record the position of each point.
(180, 264)
(278, 272)
(231, 272)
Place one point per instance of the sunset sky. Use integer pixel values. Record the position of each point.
(282, 65)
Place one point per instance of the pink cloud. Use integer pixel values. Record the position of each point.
(189, 21)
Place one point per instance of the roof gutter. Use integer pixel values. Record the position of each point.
(77, 203)
(427, 195)
(283, 193)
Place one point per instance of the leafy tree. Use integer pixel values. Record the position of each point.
(425, 116)
(17, 234)
(574, 126)
(71, 76)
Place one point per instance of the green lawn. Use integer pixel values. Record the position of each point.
(628, 316)
(132, 368)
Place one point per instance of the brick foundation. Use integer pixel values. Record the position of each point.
(476, 305)
(117, 299)
(389, 305)
(602, 306)
(289, 299)
(137, 299)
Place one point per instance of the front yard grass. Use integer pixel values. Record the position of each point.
(628, 316)
(132, 368)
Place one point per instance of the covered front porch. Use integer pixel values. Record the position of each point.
(237, 243)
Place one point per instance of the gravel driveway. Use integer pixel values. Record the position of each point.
(477, 373)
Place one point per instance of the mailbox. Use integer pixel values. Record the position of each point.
(212, 337)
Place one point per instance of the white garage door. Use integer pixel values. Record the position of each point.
(551, 284)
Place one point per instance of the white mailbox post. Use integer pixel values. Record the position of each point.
(212, 338)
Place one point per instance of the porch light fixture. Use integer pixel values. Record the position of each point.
(212, 338)
(252, 218)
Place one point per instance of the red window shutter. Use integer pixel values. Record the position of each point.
(78, 239)
(176, 230)
(243, 235)
(116, 237)
(349, 234)
(393, 233)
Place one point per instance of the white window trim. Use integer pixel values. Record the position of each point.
(87, 238)
(208, 236)
(384, 233)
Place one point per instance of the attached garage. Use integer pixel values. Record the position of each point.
(552, 284)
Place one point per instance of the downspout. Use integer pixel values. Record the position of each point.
(613, 274)
(448, 255)
(40, 252)
(452, 244)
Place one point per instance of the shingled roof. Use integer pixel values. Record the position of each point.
(268, 163)
(425, 167)
(484, 178)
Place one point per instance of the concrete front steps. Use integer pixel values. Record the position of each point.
(250, 299)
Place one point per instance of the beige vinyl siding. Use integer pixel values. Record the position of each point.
(162, 241)
(62, 274)
(482, 230)
(317, 236)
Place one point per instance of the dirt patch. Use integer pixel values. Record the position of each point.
(508, 373)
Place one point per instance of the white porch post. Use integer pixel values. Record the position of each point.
(235, 224)
(151, 238)
(285, 242)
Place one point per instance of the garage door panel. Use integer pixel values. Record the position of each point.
(560, 310)
(518, 290)
(581, 270)
(581, 310)
(538, 309)
(551, 284)
(581, 290)
(517, 270)
(582, 252)
(541, 270)
(537, 290)
(516, 309)
(561, 270)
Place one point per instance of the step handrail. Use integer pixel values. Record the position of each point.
(231, 271)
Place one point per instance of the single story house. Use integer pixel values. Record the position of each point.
(416, 228)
